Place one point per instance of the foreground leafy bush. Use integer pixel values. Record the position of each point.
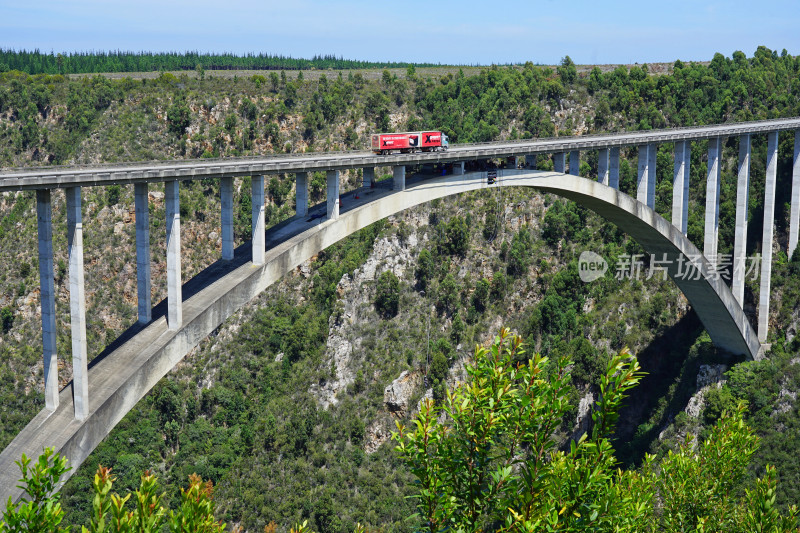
(40, 510)
(486, 459)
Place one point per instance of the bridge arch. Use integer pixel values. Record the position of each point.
(124, 376)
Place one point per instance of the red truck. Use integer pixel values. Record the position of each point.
(409, 142)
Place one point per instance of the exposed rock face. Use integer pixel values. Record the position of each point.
(584, 420)
(377, 433)
(397, 394)
(786, 400)
(708, 376)
(355, 295)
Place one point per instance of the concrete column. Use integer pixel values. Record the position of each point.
(458, 168)
(257, 225)
(766, 239)
(602, 166)
(613, 167)
(652, 151)
(143, 282)
(226, 201)
(680, 186)
(742, 199)
(369, 177)
(333, 194)
(712, 199)
(399, 175)
(174, 291)
(301, 193)
(558, 162)
(643, 184)
(77, 304)
(512, 161)
(574, 162)
(794, 217)
(530, 161)
(47, 294)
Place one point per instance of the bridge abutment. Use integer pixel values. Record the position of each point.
(740, 236)
(226, 216)
(47, 294)
(143, 280)
(174, 291)
(77, 304)
(766, 238)
(680, 186)
(332, 177)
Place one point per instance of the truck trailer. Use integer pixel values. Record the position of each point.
(409, 142)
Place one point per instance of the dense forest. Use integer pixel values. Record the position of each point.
(252, 409)
(36, 62)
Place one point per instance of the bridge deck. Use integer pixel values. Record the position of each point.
(56, 177)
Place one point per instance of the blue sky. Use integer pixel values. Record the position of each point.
(447, 31)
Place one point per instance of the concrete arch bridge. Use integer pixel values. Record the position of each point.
(78, 417)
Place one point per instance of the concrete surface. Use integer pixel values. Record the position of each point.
(740, 231)
(711, 228)
(77, 303)
(173, 223)
(47, 294)
(144, 302)
(766, 238)
(226, 216)
(680, 186)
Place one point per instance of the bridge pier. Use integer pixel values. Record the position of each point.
(794, 217)
(48, 297)
(333, 194)
(712, 199)
(226, 215)
(740, 236)
(530, 161)
(143, 281)
(602, 166)
(766, 239)
(574, 162)
(301, 194)
(646, 187)
(174, 291)
(680, 186)
(257, 224)
(613, 167)
(458, 168)
(368, 180)
(399, 176)
(558, 162)
(511, 162)
(77, 304)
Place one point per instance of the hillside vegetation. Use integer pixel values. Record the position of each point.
(285, 408)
